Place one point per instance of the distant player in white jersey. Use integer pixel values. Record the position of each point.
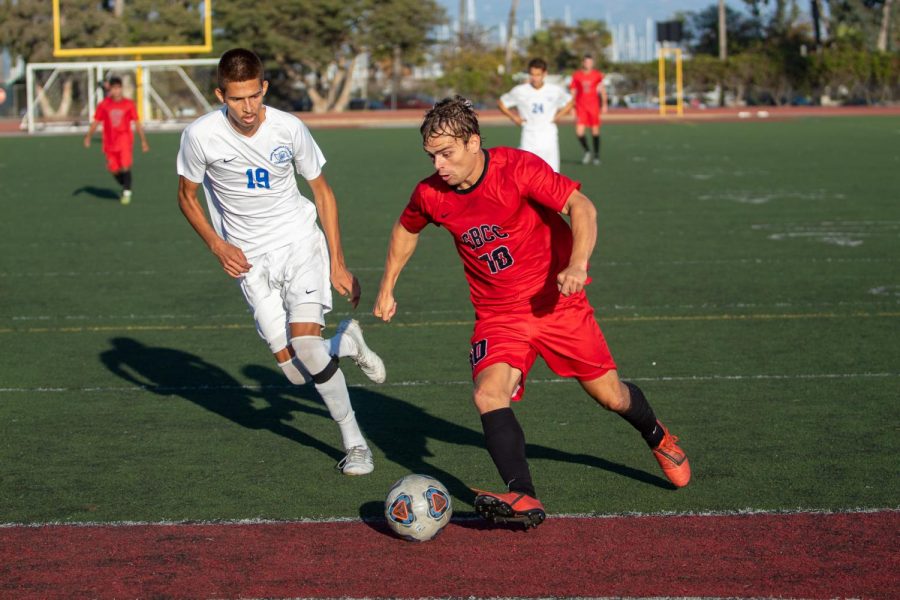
(264, 233)
(539, 106)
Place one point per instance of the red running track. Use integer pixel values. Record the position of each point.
(807, 555)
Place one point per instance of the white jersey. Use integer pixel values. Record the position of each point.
(250, 187)
(538, 107)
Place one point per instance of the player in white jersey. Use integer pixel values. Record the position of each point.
(539, 105)
(264, 233)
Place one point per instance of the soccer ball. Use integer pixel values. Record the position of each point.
(417, 507)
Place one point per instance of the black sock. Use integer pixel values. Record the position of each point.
(118, 177)
(126, 180)
(641, 416)
(596, 146)
(505, 442)
(583, 141)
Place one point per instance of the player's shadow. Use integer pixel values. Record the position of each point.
(170, 372)
(401, 430)
(97, 192)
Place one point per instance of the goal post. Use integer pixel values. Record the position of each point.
(664, 52)
(62, 96)
(59, 52)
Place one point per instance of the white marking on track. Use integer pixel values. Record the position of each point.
(463, 518)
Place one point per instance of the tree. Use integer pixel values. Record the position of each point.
(702, 31)
(398, 29)
(316, 44)
(474, 72)
(563, 46)
(510, 38)
(869, 24)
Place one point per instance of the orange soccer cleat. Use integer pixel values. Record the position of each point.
(672, 459)
(512, 507)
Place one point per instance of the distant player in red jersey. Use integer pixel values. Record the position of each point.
(116, 113)
(526, 268)
(586, 84)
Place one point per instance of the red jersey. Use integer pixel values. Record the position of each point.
(584, 87)
(116, 118)
(507, 228)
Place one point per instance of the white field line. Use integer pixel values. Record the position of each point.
(596, 265)
(880, 292)
(604, 319)
(462, 519)
(425, 382)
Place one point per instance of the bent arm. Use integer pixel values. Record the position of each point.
(231, 257)
(583, 217)
(400, 249)
(515, 117)
(326, 205)
(564, 110)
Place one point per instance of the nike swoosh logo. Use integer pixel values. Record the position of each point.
(225, 160)
(310, 291)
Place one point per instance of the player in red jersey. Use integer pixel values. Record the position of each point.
(117, 113)
(586, 83)
(526, 268)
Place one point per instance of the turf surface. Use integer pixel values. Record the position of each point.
(747, 275)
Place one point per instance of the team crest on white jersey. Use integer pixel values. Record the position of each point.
(281, 155)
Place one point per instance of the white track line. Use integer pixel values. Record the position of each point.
(425, 382)
(462, 519)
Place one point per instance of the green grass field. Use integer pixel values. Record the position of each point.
(747, 276)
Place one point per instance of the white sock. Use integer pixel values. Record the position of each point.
(312, 355)
(295, 372)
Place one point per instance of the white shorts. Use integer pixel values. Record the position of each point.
(291, 284)
(544, 142)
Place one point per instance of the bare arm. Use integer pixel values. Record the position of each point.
(90, 133)
(515, 117)
(604, 101)
(583, 217)
(342, 279)
(231, 257)
(145, 147)
(564, 110)
(401, 248)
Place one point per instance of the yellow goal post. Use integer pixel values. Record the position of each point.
(60, 52)
(664, 52)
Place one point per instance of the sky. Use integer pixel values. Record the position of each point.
(491, 12)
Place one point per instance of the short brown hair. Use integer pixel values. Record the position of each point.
(537, 63)
(451, 116)
(238, 64)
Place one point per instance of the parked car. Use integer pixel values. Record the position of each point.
(411, 101)
(366, 104)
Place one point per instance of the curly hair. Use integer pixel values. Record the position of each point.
(451, 116)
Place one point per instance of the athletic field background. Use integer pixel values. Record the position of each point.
(746, 276)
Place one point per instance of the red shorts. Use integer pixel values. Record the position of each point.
(119, 159)
(568, 339)
(588, 116)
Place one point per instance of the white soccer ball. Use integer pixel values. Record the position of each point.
(417, 507)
